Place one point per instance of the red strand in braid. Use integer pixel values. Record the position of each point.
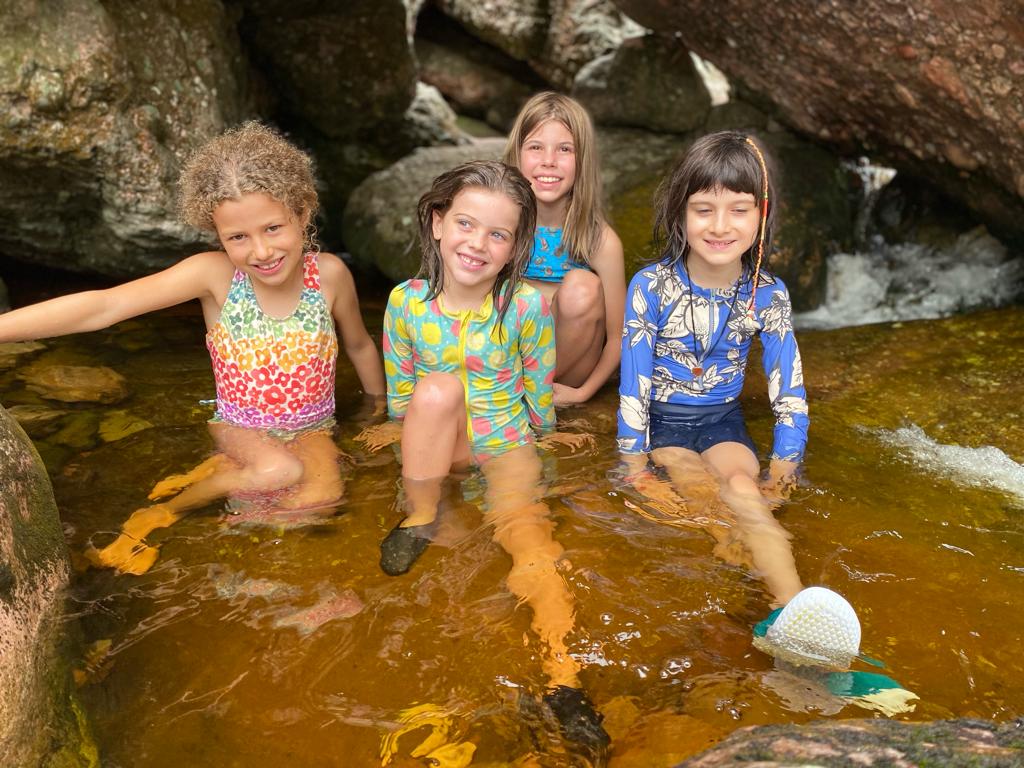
(764, 220)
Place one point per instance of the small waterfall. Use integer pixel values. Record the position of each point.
(884, 282)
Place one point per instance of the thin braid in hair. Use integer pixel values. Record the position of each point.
(764, 220)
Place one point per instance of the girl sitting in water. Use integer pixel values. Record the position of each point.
(469, 358)
(690, 321)
(577, 258)
(271, 300)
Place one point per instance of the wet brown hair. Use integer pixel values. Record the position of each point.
(493, 176)
(252, 158)
(724, 160)
(584, 221)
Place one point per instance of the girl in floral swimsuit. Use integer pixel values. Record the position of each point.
(271, 302)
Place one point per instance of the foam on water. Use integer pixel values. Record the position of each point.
(916, 282)
(985, 467)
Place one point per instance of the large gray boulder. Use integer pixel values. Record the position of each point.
(39, 724)
(380, 218)
(933, 88)
(99, 104)
(650, 82)
(555, 37)
(477, 79)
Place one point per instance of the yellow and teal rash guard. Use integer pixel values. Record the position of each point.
(507, 377)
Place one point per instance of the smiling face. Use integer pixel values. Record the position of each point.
(547, 159)
(721, 225)
(261, 237)
(476, 236)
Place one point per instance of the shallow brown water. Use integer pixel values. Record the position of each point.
(213, 660)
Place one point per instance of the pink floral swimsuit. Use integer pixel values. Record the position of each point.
(275, 373)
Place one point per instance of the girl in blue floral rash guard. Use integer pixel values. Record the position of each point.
(690, 320)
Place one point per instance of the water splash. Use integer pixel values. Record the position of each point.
(984, 467)
(911, 281)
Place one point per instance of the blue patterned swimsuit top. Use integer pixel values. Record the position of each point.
(549, 261)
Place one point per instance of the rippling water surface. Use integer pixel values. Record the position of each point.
(262, 645)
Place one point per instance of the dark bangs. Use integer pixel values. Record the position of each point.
(723, 160)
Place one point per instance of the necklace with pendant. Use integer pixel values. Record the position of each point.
(698, 368)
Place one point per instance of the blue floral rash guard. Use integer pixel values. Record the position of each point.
(667, 330)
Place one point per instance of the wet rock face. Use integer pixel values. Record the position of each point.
(932, 86)
(99, 104)
(557, 38)
(650, 82)
(380, 218)
(35, 709)
(951, 743)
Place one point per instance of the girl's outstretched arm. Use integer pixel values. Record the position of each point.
(191, 278)
(359, 347)
(609, 266)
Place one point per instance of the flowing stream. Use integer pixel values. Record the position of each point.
(262, 645)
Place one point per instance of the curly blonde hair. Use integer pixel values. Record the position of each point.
(251, 158)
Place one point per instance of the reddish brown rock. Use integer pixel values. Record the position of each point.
(928, 87)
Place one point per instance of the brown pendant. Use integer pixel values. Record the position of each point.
(697, 370)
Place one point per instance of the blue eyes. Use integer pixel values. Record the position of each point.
(467, 225)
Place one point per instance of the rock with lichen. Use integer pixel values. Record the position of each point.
(100, 102)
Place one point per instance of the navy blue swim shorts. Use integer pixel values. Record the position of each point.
(697, 427)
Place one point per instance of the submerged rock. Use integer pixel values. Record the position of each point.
(76, 383)
(331, 606)
(11, 352)
(37, 420)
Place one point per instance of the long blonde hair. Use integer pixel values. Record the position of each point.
(585, 220)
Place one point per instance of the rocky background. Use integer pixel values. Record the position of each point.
(101, 100)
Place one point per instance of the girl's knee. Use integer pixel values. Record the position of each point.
(580, 297)
(276, 472)
(741, 482)
(438, 391)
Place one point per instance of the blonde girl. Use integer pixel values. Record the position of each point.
(469, 357)
(576, 260)
(273, 305)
